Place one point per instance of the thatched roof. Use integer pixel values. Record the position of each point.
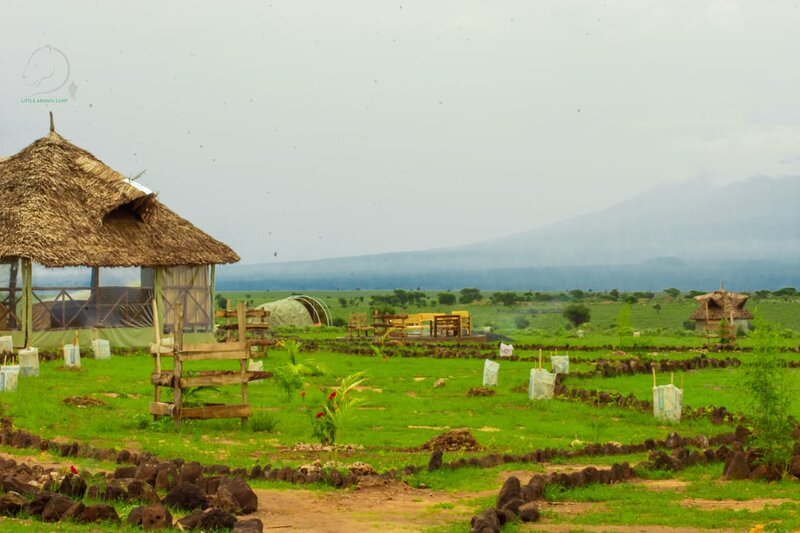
(722, 304)
(60, 206)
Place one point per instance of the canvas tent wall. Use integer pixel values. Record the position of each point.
(297, 310)
(63, 211)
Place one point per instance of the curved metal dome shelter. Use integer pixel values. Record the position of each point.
(297, 310)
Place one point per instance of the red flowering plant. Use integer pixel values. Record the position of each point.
(336, 409)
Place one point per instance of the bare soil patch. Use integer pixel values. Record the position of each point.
(373, 505)
(559, 528)
(453, 441)
(525, 475)
(83, 401)
(480, 391)
(362, 388)
(661, 485)
(756, 504)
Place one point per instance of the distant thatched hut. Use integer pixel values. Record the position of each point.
(62, 208)
(719, 305)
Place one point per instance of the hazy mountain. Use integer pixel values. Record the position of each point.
(752, 227)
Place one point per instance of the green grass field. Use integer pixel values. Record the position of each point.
(660, 320)
(402, 410)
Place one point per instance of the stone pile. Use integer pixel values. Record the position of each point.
(211, 494)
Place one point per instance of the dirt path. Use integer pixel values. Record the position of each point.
(757, 504)
(564, 528)
(388, 507)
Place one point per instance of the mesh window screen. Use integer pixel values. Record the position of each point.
(190, 286)
(10, 294)
(79, 298)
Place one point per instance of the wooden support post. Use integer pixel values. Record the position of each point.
(27, 295)
(654, 376)
(94, 295)
(241, 316)
(177, 365)
(157, 338)
(540, 358)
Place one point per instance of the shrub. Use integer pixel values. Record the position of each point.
(505, 298)
(689, 325)
(469, 295)
(672, 292)
(289, 376)
(336, 409)
(577, 314)
(725, 332)
(446, 298)
(383, 309)
(521, 322)
(339, 322)
(576, 294)
(769, 388)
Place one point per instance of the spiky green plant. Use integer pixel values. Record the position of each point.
(337, 409)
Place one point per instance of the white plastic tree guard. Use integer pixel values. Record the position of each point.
(542, 384)
(560, 364)
(490, 372)
(667, 400)
(101, 349)
(28, 361)
(506, 350)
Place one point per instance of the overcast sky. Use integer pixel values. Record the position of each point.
(316, 129)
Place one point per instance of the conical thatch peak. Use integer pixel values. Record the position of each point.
(61, 206)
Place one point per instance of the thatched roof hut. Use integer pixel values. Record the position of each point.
(720, 304)
(62, 207)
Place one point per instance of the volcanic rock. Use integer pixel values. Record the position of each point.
(186, 496)
(74, 512)
(529, 512)
(486, 522)
(72, 486)
(736, 466)
(435, 462)
(190, 472)
(155, 517)
(56, 507)
(252, 525)
(99, 512)
(11, 503)
(37, 504)
(510, 490)
(166, 476)
(135, 516)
